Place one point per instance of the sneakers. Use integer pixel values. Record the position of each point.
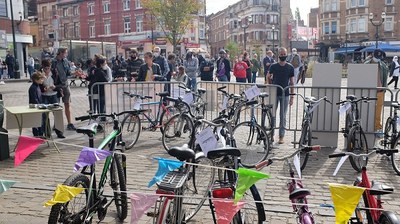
(71, 127)
(2, 83)
(379, 133)
(281, 141)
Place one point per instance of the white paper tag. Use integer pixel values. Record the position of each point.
(342, 160)
(296, 163)
(344, 107)
(398, 120)
(188, 98)
(225, 103)
(207, 140)
(221, 138)
(177, 92)
(137, 104)
(252, 92)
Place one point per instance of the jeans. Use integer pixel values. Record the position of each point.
(49, 100)
(283, 102)
(223, 78)
(31, 69)
(249, 76)
(192, 83)
(241, 80)
(253, 78)
(10, 72)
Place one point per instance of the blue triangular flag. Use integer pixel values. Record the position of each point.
(164, 167)
(5, 185)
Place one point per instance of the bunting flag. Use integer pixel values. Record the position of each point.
(164, 167)
(5, 185)
(25, 146)
(226, 209)
(140, 203)
(345, 199)
(63, 194)
(246, 179)
(90, 156)
(296, 163)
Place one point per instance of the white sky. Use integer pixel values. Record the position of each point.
(304, 6)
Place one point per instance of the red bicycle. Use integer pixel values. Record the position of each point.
(372, 210)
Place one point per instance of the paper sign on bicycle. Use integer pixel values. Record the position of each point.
(177, 92)
(252, 92)
(344, 107)
(188, 98)
(225, 103)
(137, 104)
(207, 140)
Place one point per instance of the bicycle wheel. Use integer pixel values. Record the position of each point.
(305, 140)
(197, 186)
(74, 210)
(388, 130)
(357, 143)
(269, 126)
(395, 157)
(361, 213)
(252, 212)
(166, 114)
(118, 184)
(130, 130)
(348, 123)
(252, 141)
(166, 211)
(388, 218)
(177, 131)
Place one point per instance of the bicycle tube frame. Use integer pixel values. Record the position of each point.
(372, 201)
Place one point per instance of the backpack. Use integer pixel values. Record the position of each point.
(295, 61)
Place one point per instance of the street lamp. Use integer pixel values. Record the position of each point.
(377, 25)
(245, 26)
(273, 39)
(345, 57)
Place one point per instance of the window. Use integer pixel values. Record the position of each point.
(106, 7)
(65, 30)
(54, 10)
(353, 25)
(126, 4)
(361, 3)
(353, 3)
(326, 28)
(75, 10)
(139, 23)
(127, 24)
(107, 27)
(389, 2)
(76, 30)
(45, 31)
(92, 31)
(334, 5)
(361, 25)
(65, 12)
(201, 32)
(333, 27)
(91, 9)
(138, 5)
(389, 23)
(3, 8)
(44, 12)
(327, 6)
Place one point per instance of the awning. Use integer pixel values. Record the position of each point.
(383, 47)
(350, 50)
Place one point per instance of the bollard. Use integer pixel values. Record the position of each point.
(4, 144)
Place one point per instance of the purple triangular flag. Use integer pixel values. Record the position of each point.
(89, 156)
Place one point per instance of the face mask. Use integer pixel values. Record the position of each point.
(282, 58)
(104, 67)
(375, 59)
(156, 54)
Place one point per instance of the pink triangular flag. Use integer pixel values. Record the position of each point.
(140, 203)
(25, 146)
(226, 209)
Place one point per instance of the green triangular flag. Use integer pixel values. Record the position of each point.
(245, 180)
(5, 185)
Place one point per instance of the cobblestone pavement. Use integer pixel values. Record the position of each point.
(45, 168)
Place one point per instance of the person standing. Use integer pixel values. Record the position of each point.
(394, 71)
(134, 62)
(191, 65)
(256, 68)
(10, 62)
(240, 70)
(100, 75)
(148, 69)
(61, 71)
(282, 74)
(246, 59)
(223, 72)
(267, 62)
(295, 60)
(206, 69)
(35, 97)
(161, 61)
(30, 63)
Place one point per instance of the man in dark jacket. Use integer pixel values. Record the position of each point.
(267, 62)
(223, 67)
(161, 61)
(10, 61)
(206, 69)
(149, 70)
(134, 63)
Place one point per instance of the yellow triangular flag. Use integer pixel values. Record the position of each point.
(345, 199)
(63, 194)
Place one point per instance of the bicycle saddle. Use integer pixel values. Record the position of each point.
(380, 189)
(183, 153)
(263, 95)
(299, 193)
(351, 97)
(90, 129)
(221, 152)
(163, 94)
(310, 99)
(201, 90)
(395, 105)
(252, 102)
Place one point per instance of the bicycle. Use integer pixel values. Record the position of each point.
(297, 193)
(95, 201)
(354, 133)
(371, 210)
(306, 132)
(391, 137)
(132, 124)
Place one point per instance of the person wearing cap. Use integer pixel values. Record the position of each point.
(223, 73)
(394, 71)
(267, 62)
(377, 58)
(161, 61)
(295, 60)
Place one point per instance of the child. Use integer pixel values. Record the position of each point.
(239, 70)
(181, 76)
(35, 97)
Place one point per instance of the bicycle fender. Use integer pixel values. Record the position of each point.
(199, 154)
(391, 216)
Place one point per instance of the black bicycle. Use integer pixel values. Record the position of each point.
(391, 137)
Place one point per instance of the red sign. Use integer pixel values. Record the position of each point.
(192, 45)
(161, 41)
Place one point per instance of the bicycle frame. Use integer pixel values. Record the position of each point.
(372, 201)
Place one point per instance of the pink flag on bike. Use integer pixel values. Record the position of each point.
(345, 199)
(140, 203)
(89, 156)
(164, 167)
(226, 209)
(25, 146)
(246, 179)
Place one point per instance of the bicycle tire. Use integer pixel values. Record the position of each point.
(178, 130)
(253, 143)
(166, 114)
(119, 188)
(363, 204)
(306, 218)
(388, 130)
(164, 211)
(60, 212)
(251, 213)
(198, 187)
(128, 128)
(395, 157)
(348, 123)
(270, 128)
(305, 139)
(388, 218)
(357, 143)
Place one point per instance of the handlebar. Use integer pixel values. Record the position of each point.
(137, 95)
(112, 115)
(325, 98)
(387, 152)
(365, 99)
(179, 100)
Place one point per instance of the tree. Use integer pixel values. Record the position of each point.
(233, 49)
(297, 14)
(173, 16)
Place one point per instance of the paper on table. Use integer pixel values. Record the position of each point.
(207, 140)
(137, 104)
(342, 160)
(188, 98)
(344, 107)
(225, 103)
(252, 92)
(296, 163)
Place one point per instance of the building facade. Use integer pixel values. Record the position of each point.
(255, 25)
